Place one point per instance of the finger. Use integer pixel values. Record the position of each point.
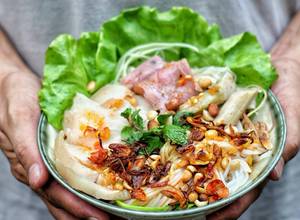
(18, 175)
(278, 170)
(59, 213)
(23, 138)
(19, 121)
(5, 143)
(234, 210)
(64, 199)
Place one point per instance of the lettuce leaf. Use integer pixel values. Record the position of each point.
(143, 25)
(71, 64)
(243, 55)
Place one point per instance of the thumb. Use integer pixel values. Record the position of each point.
(23, 137)
(277, 171)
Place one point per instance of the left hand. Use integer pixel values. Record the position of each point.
(286, 88)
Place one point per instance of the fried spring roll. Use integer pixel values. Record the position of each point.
(235, 106)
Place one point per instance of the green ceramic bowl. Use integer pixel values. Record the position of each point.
(45, 143)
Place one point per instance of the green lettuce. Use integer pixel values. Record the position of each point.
(71, 64)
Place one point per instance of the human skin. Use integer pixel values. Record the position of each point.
(19, 113)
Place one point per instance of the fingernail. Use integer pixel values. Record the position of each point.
(92, 218)
(279, 168)
(34, 175)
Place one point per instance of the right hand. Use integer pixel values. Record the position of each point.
(19, 114)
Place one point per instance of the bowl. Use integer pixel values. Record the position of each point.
(46, 142)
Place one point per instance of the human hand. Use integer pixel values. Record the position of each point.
(19, 114)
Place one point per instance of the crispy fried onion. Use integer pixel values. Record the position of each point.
(100, 154)
(175, 194)
(138, 194)
(199, 125)
(132, 168)
(217, 190)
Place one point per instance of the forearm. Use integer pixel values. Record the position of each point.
(10, 61)
(288, 46)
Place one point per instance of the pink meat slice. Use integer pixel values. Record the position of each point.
(161, 87)
(143, 71)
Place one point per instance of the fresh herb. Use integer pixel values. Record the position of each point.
(179, 119)
(153, 138)
(163, 119)
(131, 135)
(175, 134)
(153, 142)
(134, 118)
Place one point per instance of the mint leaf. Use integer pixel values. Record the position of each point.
(179, 118)
(137, 120)
(162, 119)
(126, 113)
(175, 134)
(130, 135)
(153, 142)
(134, 118)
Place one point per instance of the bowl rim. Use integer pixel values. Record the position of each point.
(174, 213)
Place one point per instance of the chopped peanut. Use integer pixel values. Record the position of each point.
(193, 196)
(187, 175)
(204, 83)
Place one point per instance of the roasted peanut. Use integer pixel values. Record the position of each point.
(198, 178)
(172, 104)
(199, 204)
(200, 189)
(203, 197)
(211, 133)
(191, 168)
(182, 163)
(213, 109)
(187, 175)
(138, 89)
(152, 124)
(193, 196)
(224, 162)
(91, 86)
(204, 83)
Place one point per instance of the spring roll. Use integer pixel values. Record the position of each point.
(218, 93)
(235, 106)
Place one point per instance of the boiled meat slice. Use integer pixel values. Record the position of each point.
(165, 88)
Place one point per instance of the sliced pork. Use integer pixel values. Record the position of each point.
(165, 86)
